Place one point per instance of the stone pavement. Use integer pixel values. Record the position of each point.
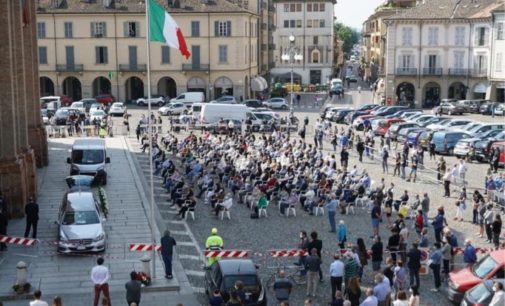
(127, 223)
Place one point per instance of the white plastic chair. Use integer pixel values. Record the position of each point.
(290, 209)
(189, 212)
(227, 204)
(263, 210)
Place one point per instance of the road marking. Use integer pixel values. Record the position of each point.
(195, 273)
(192, 257)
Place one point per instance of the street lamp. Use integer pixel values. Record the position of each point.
(292, 56)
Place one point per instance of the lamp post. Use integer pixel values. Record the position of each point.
(291, 56)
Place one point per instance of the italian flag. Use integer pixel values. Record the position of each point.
(163, 28)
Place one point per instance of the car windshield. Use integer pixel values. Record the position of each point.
(80, 217)
(117, 105)
(483, 268)
(87, 157)
(475, 128)
(247, 280)
(62, 113)
(480, 293)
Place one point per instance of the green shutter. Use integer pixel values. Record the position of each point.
(104, 29)
(228, 26)
(92, 29)
(125, 29)
(216, 28)
(105, 55)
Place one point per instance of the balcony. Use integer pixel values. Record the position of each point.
(458, 71)
(432, 71)
(195, 67)
(132, 67)
(479, 73)
(69, 67)
(406, 71)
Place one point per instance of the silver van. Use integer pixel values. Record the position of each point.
(89, 157)
(80, 227)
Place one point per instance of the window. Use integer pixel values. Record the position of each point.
(309, 7)
(98, 29)
(292, 7)
(299, 23)
(315, 57)
(286, 23)
(432, 61)
(460, 36)
(406, 37)
(165, 54)
(406, 61)
(321, 23)
(498, 62)
(41, 30)
(315, 40)
(195, 28)
(292, 23)
(298, 7)
(481, 36)
(222, 28)
(459, 59)
(101, 55)
(68, 28)
(432, 36)
(131, 29)
(500, 29)
(223, 54)
(42, 55)
(309, 23)
(286, 8)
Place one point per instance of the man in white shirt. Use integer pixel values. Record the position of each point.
(37, 301)
(499, 295)
(100, 277)
(336, 274)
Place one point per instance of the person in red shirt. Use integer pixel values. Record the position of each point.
(419, 221)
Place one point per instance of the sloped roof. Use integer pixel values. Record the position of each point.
(135, 6)
(449, 9)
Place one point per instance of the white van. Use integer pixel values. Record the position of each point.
(189, 98)
(89, 157)
(50, 102)
(196, 109)
(213, 112)
(335, 82)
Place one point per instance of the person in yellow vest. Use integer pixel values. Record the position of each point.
(214, 243)
(103, 129)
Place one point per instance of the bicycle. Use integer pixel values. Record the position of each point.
(292, 272)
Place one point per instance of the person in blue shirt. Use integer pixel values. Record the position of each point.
(469, 254)
(331, 207)
(436, 260)
(370, 300)
(342, 234)
(382, 289)
(438, 224)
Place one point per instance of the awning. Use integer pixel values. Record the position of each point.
(480, 88)
(258, 83)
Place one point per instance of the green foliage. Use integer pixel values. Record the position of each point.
(348, 35)
(104, 205)
(21, 289)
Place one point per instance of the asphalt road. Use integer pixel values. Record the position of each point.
(276, 232)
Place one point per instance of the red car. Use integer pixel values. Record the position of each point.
(489, 267)
(384, 125)
(106, 99)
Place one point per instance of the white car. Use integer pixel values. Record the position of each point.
(117, 108)
(276, 103)
(80, 106)
(94, 107)
(172, 109)
(225, 100)
(97, 114)
(156, 100)
(499, 110)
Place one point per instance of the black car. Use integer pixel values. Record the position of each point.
(253, 103)
(223, 274)
(339, 116)
(61, 116)
(481, 294)
(323, 112)
(486, 108)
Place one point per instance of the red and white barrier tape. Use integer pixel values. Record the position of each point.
(227, 253)
(18, 240)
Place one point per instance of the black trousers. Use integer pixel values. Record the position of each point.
(489, 232)
(336, 284)
(33, 225)
(447, 188)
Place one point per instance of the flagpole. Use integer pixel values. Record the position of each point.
(150, 135)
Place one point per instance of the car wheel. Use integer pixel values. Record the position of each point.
(284, 107)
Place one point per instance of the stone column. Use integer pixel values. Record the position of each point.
(36, 130)
(12, 165)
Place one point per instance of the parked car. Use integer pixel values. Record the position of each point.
(401, 137)
(422, 119)
(339, 116)
(223, 274)
(451, 108)
(475, 106)
(87, 103)
(491, 266)
(385, 124)
(483, 147)
(97, 115)
(276, 103)
(397, 127)
(482, 294)
(79, 106)
(46, 115)
(464, 147)
(105, 99)
(62, 115)
(225, 100)
(95, 107)
(172, 109)
(479, 130)
(435, 120)
(413, 137)
(500, 110)
(445, 141)
(487, 108)
(117, 108)
(155, 100)
(253, 103)
(80, 227)
(451, 124)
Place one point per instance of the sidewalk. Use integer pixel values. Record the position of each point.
(127, 223)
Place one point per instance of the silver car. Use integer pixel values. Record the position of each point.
(80, 227)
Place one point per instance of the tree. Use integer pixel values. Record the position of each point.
(348, 35)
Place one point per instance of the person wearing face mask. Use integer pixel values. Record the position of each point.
(499, 295)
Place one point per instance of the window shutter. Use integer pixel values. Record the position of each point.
(104, 29)
(486, 36)
(228, 26)
(216, 28)
(97, 55)
(105, 54)
(426, 61)
(137, 29)
(92, 29)
(476, 37)
(400, 62)
(126, 29)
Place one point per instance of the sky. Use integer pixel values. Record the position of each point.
(354, 12)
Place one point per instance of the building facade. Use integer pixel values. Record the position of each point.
(265, 42)
(312, 24)
(23, 142)
(439, 49)
(88, 48)
(497, 73)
